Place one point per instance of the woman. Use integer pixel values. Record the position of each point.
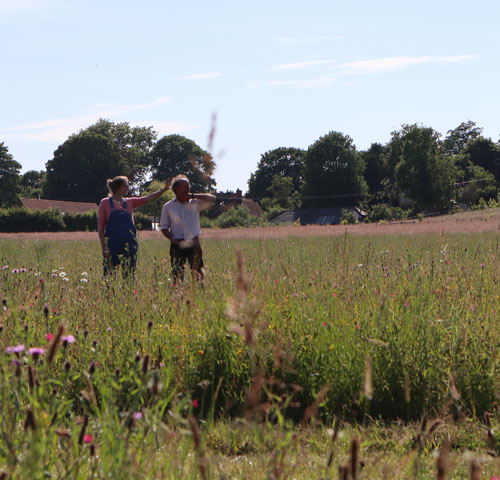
(117, 231)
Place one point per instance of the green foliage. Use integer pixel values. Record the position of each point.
(153, 209)
(25, 220)
(458, 139)
(376, 167)
(382, 211)
(485, 153)
(333, 167)
(236, 364)
(80, 222)
(81, 166)
(238, 216)
(142, 221)
(9, 177)
(348, 217)
(421, 172)
(134, 145)
(278, 163)
(174, 154)
(31, 184)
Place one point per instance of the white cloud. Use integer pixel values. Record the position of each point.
(378, 65)
(59, 129)
(199, 76)
(319, 82)
(302, 65)
(289, 41)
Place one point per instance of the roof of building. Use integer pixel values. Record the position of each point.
(315, 216)
(253, 207)
(64, 206)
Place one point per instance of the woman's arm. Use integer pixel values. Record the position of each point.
(105, 250)
(101, 228)
(155, 195)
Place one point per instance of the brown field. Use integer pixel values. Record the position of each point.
(467, 222)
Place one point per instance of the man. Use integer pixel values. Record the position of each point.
(180, 223)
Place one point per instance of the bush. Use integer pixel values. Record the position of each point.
(205, 222)
(142, 222)
(81, 222)
(237, 217)
(348, 217)
(381, 211)
(21, 219)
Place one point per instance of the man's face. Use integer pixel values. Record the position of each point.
(182, 191)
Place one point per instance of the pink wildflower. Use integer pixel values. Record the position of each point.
(196, 403)
(87, 438)
(35, 351)
(137, 416)
(16, 349)
(49, 337)
(67, 339)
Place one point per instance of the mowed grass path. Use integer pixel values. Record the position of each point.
(337, 330)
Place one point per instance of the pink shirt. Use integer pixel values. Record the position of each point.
(105, 209)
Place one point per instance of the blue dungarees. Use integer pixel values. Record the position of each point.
(121, 240)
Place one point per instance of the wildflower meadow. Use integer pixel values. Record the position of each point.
(324, 357)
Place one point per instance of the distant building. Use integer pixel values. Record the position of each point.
(227, 204)
(65, 207)
(316, 216)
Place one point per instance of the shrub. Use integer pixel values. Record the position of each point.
(237, 217)
(21, 219)
(80, 222)
(348, 218)
(381, 211)
(143, 222)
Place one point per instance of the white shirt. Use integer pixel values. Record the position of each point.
(183, 219)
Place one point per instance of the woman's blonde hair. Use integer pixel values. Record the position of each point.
(115, 183)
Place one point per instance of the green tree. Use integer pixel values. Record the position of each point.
(333, 169)
(485, 153)
(285, 162)
(134, 145)
(9, 177)
(459, 138)
(175, 154)
(31, 183)
(153, 209)
(376, 167)
(422, 173)
(81, 166)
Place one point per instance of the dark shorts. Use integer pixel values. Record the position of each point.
(179, 256)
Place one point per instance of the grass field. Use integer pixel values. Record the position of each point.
(298, 357)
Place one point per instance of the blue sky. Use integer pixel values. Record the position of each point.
(275, 73)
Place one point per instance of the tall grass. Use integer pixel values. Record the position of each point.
(297, 331)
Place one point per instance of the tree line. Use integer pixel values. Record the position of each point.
(432, 173)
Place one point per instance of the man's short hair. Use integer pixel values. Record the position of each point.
(177, 180)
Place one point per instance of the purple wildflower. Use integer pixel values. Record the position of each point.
(137, 416)
(5, 267)
(67, 339)
(35, 351)
(15, 270)
(16, 349)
